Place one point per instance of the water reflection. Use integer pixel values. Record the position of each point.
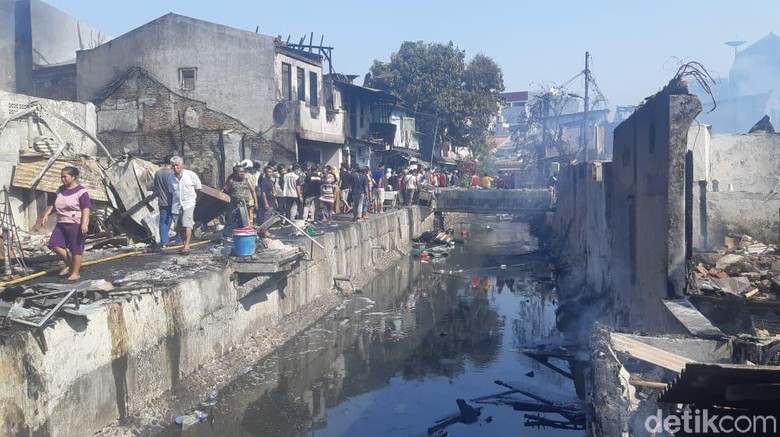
(393, 360)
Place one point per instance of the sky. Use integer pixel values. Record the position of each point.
(635, 46)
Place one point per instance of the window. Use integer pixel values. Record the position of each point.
(362, 107)
(313, 91)
(301, 84)
(187, 78)
(286, 81)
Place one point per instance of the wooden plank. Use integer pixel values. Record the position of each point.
(639, 382)
(650, 354)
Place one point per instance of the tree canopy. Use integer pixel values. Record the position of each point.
(436, 81)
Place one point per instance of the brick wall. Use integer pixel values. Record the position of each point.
(140, 116)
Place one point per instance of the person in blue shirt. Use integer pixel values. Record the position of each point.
(164, 180)
(378, 175)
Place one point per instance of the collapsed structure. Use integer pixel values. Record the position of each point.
(675, 238)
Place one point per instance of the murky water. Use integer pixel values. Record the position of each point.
(393, 360)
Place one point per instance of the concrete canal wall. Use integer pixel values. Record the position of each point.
(132, 351)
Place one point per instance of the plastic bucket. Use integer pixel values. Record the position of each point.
(244, 242)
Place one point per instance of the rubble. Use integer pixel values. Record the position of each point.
(743, 268)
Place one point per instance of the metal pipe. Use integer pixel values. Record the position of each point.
(88, 134)
(7, 249)
(302, 231)
(48, 315)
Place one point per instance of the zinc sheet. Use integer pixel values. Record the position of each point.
(91, 176)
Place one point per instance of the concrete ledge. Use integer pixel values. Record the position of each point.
(131, 351)
(490, 201)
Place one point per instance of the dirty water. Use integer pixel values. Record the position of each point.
(393, 359)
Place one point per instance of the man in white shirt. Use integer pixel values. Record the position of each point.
(185, 194)
(411, 185)
(291, 192)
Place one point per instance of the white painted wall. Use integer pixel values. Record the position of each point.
(18, 135)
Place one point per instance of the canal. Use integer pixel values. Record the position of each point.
(394, 357)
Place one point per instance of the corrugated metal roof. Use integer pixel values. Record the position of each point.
(733, 385)
(90, 176)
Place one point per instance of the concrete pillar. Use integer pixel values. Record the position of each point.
(682, 110)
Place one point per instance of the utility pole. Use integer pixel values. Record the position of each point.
(545, 136)
(585, 110)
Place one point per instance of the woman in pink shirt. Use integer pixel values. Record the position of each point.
(72, 206)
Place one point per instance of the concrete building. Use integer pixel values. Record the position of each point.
(38, 45)
(377, 126)
(751, 90)
(509, 115)
(271, 89)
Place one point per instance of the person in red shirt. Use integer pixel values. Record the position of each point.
(474, 180)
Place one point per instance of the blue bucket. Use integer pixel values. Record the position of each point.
(244, 242)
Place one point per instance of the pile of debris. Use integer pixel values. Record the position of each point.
(36, 305)
(433, 245)
(744, 269)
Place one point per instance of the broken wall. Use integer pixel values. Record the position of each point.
(57, 82)
(739, 213)
(7, 45)
(582, 211)
(649, 202)
(57, 36)
(743, 168)
(627, 236)
(34, 34)
(140, 116)
(746, 162)
(234, 69)
(19, 134)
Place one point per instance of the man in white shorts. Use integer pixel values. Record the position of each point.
(185, 193)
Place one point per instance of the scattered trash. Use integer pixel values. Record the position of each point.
(211, 400)
(18, 311)
(187, 421)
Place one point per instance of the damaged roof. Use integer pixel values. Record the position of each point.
(734, 385)
(91, 175)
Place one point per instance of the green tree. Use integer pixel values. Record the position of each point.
(452, 98)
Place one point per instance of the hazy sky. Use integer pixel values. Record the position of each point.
(635, 45)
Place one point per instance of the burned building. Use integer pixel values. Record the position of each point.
(218, 93)
(38, 45)
(140, 116)
(26, 142)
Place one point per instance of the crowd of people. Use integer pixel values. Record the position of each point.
(312, 192)
(315, 191)
(503, 181)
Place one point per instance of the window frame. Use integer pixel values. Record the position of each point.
(300, 76)
(183, 81)
(287, 81)
(314, 89)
